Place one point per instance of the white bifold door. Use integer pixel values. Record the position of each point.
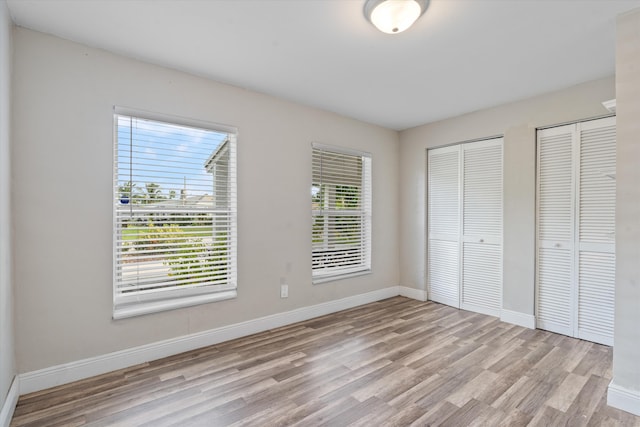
(464, 216)
(575, 280)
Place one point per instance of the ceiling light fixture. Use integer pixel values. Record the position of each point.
(394, 16)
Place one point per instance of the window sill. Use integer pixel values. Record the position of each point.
(141, 308)
(338, 276)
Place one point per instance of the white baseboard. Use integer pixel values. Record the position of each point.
(623, 398)
(73, 371)
(413, 293)
(10, 403)
(517, 318)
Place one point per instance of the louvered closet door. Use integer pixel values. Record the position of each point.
(554, 286)
(482, 227)
(596, 223)
(444, 225)
(576, 230)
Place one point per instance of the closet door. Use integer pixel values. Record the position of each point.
(575, 283)
(465, 226)
(596, 231)
(482, 227)
(555, 197)
(444, 225)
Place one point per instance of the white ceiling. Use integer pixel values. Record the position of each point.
(461, 56)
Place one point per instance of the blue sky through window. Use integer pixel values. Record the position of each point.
(173, 157)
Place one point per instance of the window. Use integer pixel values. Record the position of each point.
(174, 214)
(341, 208)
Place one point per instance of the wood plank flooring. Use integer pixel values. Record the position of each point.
(396, 362)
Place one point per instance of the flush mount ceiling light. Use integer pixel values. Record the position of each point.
(394, 16)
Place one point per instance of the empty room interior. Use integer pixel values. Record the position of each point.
(315, 212)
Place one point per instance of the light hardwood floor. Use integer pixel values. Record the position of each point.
(391, 363)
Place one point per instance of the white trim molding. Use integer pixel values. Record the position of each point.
(413, 293)
(623, 398)
(73, 371)
(10, 403)
(517, 318)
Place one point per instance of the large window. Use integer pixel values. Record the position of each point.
(174, 213)
(341, 207)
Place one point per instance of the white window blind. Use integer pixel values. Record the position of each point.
(341, 208)
(174, 215)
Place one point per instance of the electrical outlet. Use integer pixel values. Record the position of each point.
(284, 291)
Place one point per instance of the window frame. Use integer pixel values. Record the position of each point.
(172, 298)
(323, 275)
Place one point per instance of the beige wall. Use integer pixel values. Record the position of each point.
(62, 161)
(517, 122)
(626, 354)
(7, 362)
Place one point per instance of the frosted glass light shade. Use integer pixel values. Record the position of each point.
(394, 16)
